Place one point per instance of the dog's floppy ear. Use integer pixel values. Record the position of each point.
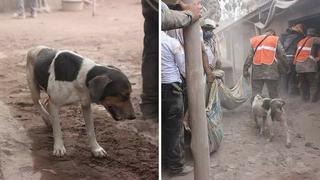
(266, 103)
(96, 87)
(282, 102)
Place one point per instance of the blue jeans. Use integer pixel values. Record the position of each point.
(21, 9)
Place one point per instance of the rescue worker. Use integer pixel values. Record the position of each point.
(210, 59)
(172, 92)
(172, 67)
(268, 61)
(317, 93)
(210, 44)
(289, 41)
(149, 69)
(306, 63)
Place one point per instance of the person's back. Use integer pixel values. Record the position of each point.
(264, 64)
(305, 60)
(306, 64)
(267, 58)
(289, 41)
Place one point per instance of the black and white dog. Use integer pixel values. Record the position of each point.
(270, 110)
(69, 78)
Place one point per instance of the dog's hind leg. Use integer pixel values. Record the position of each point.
(271, 129)
(256, 121)
(285, 125)
(58, 147)
(96, 149)
(45, 108)
(263, 125)
(34, 88)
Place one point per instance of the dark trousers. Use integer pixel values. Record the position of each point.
(316, 96)
(306, 83)
(172, 128)
(257, 86)
(150, 63)
(292, 80)
(288, 83)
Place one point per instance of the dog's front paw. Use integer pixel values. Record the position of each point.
(288, 144)
(260, 131)
(99, 152)
(269, 139)
(59, 151)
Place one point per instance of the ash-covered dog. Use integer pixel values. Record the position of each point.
(69, 78)
(270, 110)
(260, 110)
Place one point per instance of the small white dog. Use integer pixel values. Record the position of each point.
(260, 109)
(270, 110)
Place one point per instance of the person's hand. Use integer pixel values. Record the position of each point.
(218, 64)
(211, 67)
(246, 74)
(210, 77)
(194, 7)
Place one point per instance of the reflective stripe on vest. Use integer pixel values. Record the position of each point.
(266, 52)
(304, 46)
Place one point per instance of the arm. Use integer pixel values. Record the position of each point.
(248, 63)
(171, 19)
(205, 63)
(174, 6)
(179, 58)
(217, 55)
(281, 57)
(281, 39)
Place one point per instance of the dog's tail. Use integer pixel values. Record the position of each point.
(33, 85)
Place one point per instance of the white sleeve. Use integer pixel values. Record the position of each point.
(179, 57)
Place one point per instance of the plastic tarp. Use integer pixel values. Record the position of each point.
(275, 3)
(221, 96)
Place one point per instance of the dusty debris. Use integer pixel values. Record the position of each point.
(301, 168)
(311, 145)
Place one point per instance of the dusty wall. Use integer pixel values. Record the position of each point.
(310, 7)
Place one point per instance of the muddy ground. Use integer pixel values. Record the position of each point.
(113, 37)
(245, 155)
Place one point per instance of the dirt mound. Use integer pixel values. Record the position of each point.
(129, 155)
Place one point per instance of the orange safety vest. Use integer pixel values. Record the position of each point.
(266, 52)
(318, 55)
(304, 50)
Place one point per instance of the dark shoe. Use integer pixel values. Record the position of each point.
(182, 172)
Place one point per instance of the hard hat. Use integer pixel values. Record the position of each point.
(311, 32)
(209, 23)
